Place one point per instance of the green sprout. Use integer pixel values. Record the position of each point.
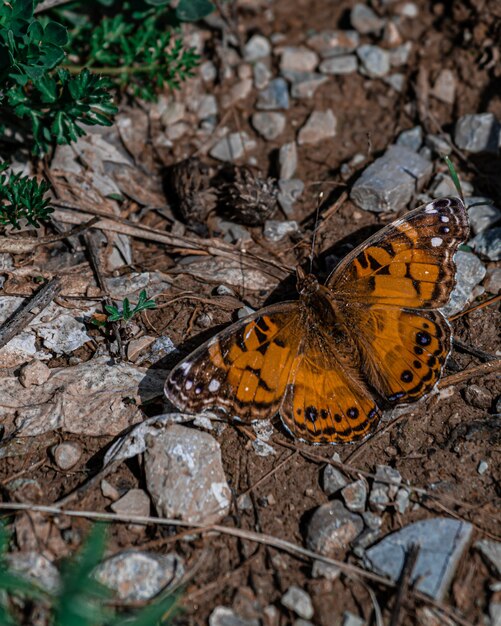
(126, 313)
(22, 197)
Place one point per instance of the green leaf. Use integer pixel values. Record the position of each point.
(193, 10)
(56, 34)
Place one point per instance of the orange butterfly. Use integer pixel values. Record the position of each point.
(371, 337)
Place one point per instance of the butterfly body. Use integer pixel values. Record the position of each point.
(371, 337)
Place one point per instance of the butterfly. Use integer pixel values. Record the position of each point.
(328, 363)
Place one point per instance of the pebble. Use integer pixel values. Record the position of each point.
(439, 144)
(238, 92)
(390, 181)
(36, 568)
(375, 61)
(304, 84)
(319, 126)
(136, 346)
(258, 47)
(109, 491)
(488, 243)
(470, 272)
(477, 133)
(269, 124)
(402, 500)
(173, 113)
(290, 191)
(395, 81)
(491, 552)
(262, 75)
(333, 479)
(287, 160)
(372, 521)
(224, 616)
(330, 43)
(207, 106)
(365, 20)
(298, 59)
(481, 216)
(276, 230)
(297, 600)
(67, 454)
(208, 72)
(332, 528)
(134, 503)
(409, 9)
(185, 476)
(138, 576)
(349, 619)
(231, 231)
(274, 96)
(400, 55)
(391, 34)
(325, 570)
(412, 138)
(492, 281)
(442, 542)
(355, 495)
(383, 493)
(444, 88)
(482, 467)
(342, 64)
(34, 373)
(232, 147)
(477, 396)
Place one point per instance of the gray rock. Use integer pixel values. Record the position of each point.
(289, 192)
(276, 230)
(298, 59)
(304, 84)
(443, 185)
(372, 521)
(287, 160)
(444, 88)
(400, 55)
(375, 61)
(330, 43)
(137, 576)
(342, 64)
(412, 138)
(492, 281)
(395, 81)
(482, 215)
(269, 124)
(333, 479)
(297, 600)
(355, 495)
(365, 21)
(332, 528)
(232, 147)
(258, 47)
(438, 144)
(478, 133)
(402, 500)
(207, 106)
(325, 570)
(134, 503)
(384, 488)
(426, 153)
(261, 74)
(238, 92)
(470, 272)
(491, 552)
(36, 568)
(67, 454)
(185, 476)
(488, 243)
(319, 126)
(34, 373)
(208, 71)
(482, 467)
(389, 183)
(349, 619)
(275, 96)
(477, 396)
(441, 541)
(409, 9)
(224, 616)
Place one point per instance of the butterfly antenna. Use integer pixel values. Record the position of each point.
(315, 228)
(455, 177)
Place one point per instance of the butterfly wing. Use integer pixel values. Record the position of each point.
(242, 371)
(409, 263)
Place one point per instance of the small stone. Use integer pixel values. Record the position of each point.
(173, 113)
(232, 147)
(355, 495)
(244, 311)
(492, 281)
(333, 479)
(478, 133)
(391, 34)
(409, 9)
(269, 124)
(289, 192)
(176, 131)
(231, 231)
(136, 346)
(482, 467)
(302, 622)
(297, 600)
(33, 567)
(224, 616)
(349, 619)
(477, 396)
(109, 491)
(332, 528)
(444, 88)
(488, 243)
(134, 503)
(395, 81)
(258, 47)
(276, 230)
(439, 144)
(365, 21)
(412, 138)
(319, 126)
(342, 64)
(442, 542)
(402, 500)
(391, 180)
(67, 454)
(491, 552)
(325, 570)
(287, 160)
(262, 75)
(223, 290)
(207, 106)
(208, 72)
(481, 214)
(34, 373)
(470, 272)
(375, 61)
(238, 92)
(304, 84)
(275, 96)
(330, 43)
(372, 521)
(384, 491)
(298, 59)
(400, 55)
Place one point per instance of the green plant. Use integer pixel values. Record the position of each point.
(81, 599)
(22, 197)
(126, 313)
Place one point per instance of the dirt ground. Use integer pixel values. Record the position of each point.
(436, 445)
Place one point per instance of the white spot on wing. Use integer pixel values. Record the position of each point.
(185, 367)
(444, 218)
(436, 242)
(430, 208)
(214, 385)
(188, 384)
